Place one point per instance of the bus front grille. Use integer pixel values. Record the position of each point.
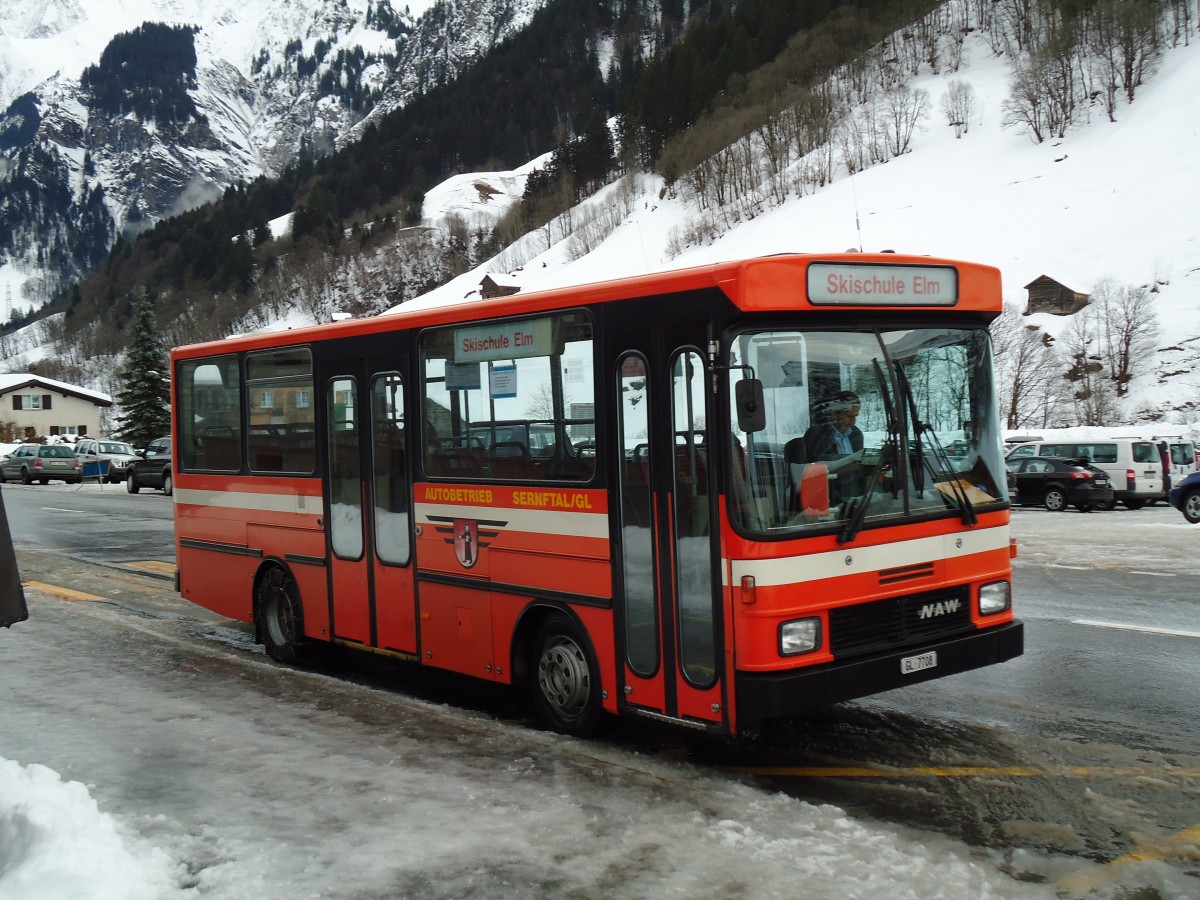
(899, 621)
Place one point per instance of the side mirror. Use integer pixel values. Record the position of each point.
(751, 408)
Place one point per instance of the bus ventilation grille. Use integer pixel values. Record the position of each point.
(899, 621)
(906, 573)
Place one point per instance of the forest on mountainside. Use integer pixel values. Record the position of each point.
(148, 72)
(544, 88)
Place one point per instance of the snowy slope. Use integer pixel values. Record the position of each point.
(1115, 200)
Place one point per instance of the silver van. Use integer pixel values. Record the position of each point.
(1134, 465)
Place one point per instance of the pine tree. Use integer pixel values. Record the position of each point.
(145, 397)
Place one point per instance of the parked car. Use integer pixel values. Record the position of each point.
(117, 453)
(1185, 497)
(1134, 466)
(1181, 456)
(153, 469)
(41, 463)
(1058, 483)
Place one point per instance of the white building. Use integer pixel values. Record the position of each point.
(39, 407)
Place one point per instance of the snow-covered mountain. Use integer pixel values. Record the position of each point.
(272, 80)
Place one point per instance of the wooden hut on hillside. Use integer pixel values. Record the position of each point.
(1049, 296)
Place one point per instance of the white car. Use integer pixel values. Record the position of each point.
(118, 454)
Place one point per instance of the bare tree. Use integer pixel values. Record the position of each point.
(959, 106)
(1137, 41)
(1102, 58)
(1029, 381)
(1092, 390)
(1016, 19)
(904, 109)
(1026, 105)
(1128, 328)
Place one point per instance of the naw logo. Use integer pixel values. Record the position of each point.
(941, 608)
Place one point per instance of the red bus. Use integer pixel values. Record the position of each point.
(633, 497)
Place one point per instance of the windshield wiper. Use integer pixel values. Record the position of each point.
(887, 457)
(858, 508)
(917, 447)
(969, 516)
(939, 454)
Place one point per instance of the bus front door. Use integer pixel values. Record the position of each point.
(668, 587)
(368, 518)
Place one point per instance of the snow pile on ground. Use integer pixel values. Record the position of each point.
(55, 843)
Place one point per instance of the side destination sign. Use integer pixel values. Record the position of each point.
(503, 340)
(881, 285)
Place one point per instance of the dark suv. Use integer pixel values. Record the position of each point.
(153, 470)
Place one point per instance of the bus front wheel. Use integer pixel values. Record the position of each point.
(565, 683)
(281, 619)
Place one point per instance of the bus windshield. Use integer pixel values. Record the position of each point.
(865, 427)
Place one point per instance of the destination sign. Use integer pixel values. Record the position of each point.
(504, 340)
(860, 284)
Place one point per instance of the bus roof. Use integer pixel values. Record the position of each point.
(846, 280)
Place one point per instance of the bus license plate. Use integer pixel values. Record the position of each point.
(910, 664)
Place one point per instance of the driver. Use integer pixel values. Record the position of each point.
(836, 435)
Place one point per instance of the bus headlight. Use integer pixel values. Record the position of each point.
(799, 636)
(994, 598)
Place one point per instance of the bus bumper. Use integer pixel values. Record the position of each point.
(778, 694)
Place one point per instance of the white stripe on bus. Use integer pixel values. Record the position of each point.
(538, 521)
(857, 560)
(535, 521)
(251, 501)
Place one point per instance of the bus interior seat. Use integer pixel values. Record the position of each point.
(455, 457)
(222, 448)
(510, 459)
(390, 476)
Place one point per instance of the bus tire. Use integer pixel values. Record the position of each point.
(564, 680)
(281, 618)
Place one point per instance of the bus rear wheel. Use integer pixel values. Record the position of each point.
(565, 683)
(281, 618)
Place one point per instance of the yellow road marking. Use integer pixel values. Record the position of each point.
(153, 565)
(61, 592)
(967, 772)
(1183, 844)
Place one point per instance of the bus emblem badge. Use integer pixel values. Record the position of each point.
(466, 542)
